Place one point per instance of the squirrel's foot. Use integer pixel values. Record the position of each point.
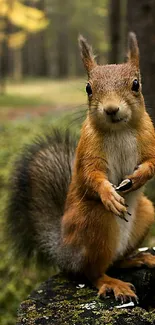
(112, 200)
(123, 291)
(147, 259)
(138, 260)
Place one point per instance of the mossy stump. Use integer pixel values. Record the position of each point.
(73, 301)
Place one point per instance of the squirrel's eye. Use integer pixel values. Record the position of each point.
(88, 89)
(135, 85)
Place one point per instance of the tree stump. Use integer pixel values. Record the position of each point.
(73, 301)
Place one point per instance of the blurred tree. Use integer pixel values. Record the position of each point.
(63, 37)
(115, 30)
(90, 19)
(17, 22)
(3, 59)
(68, 19)
(37, 51)
(141, 19)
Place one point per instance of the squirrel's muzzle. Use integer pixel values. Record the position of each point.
(111, 110)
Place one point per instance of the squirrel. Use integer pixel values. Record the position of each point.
(82, 205)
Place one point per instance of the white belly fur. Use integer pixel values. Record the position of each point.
(122, 156)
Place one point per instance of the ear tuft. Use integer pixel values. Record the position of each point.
(86, 54)
(133, 49)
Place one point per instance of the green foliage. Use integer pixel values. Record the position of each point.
(96, 14)
(18, 101)
(28, 19)
(49, 45)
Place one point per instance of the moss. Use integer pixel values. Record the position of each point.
(66, 302)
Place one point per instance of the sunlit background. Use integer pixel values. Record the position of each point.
(42, 83)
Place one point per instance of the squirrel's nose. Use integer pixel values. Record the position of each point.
(111, 110)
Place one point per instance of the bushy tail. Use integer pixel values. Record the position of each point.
(38, 192)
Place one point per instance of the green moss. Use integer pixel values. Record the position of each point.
(61, 304)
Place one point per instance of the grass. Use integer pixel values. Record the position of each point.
(39, 97)
(56, 93)
(18, 101)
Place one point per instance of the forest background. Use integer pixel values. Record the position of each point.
(42, 83)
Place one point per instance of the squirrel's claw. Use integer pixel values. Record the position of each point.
(122, 216)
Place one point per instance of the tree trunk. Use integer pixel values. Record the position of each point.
(71, 300)
(3, 67)
(17, 64)
(62, 40)
(115, 31)
(4, 56)
(141, 20)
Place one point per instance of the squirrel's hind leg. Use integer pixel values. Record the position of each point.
(105, 284)
(123, 291)
(90, 232)
(143, 221)
(101, 253)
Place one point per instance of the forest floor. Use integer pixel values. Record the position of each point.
(39, 97)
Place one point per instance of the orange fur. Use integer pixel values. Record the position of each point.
(90, 221)
(106, 284)
(146, 143)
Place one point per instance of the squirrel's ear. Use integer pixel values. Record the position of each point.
(86, 54)
(133, 49)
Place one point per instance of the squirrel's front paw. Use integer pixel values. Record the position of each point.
(112, 200)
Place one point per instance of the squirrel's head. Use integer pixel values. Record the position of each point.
(114, 91)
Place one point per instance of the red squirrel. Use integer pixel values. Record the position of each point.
(116, 138)
(87, 211)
